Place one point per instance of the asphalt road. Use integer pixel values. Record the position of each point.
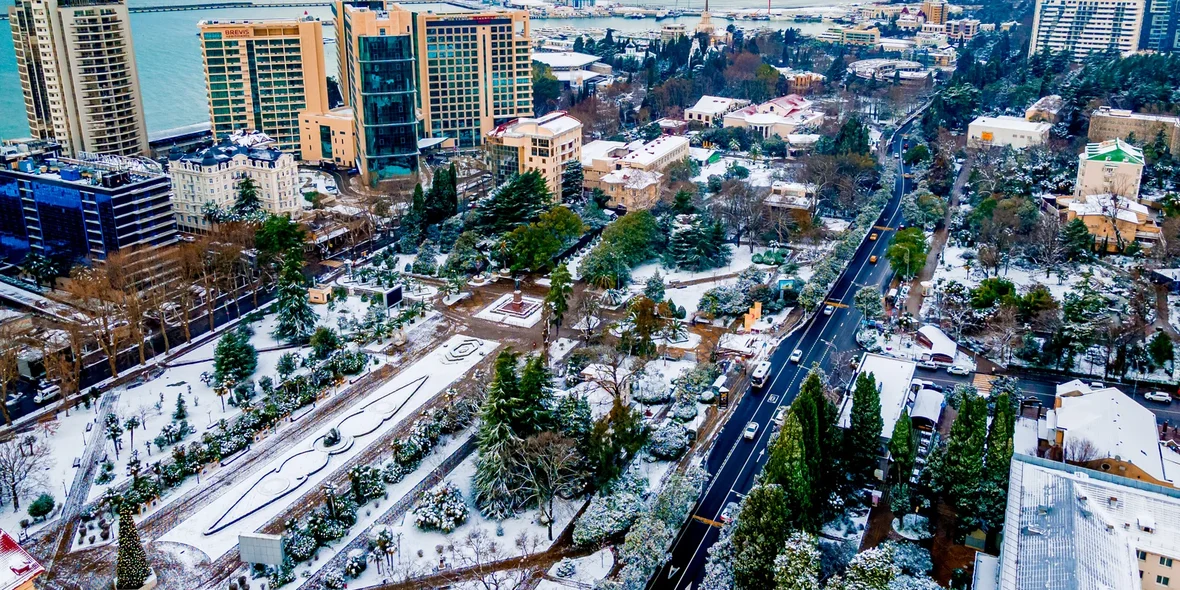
(734, 461)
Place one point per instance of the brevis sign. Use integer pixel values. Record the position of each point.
(237, 33)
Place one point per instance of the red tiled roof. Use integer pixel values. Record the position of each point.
(16, 565)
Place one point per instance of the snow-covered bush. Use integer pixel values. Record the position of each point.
(566, 568)
(612, 510)
(443, 509)
(650, 388)
(356, 563)
(646, 547)
(904, 582)
(719, 565)
(684, 411)
(299, 545)
(911, 558)
(669, 442)
(335, 580)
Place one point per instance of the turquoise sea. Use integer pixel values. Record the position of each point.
(168, 53)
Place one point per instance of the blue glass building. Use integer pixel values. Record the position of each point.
(79, 210)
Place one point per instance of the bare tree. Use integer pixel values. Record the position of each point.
(10, 348)
(739, 204)
(1080, 450)
(478, 557)
(103, 313)
(549, 464)
(614, 370)
(1046, 241)
(587, 313)
(23, 464)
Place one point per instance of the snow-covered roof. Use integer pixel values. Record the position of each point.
(1117, 427)
(940, 343)
(893, 376)
(1125, 209)
(1010, 123)
(803, 138)
(701, 154)
(1049, 104)
(549, 125)
(632, 178)
(17, 567)
(1113, 150)
(1076, 529)
(577, 76)
(1077, 386)
(598, 149)
(928, 405)
(987, 572)
(716, 105)
(654, 150)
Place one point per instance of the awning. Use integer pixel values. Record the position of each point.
(928, 405)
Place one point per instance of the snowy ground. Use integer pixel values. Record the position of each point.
(492, 312)
(954, 267)
(317, 181)
(905, 347)
(422, 547)
(690, 296)
(256, 500)
(587, 570)
(204, 408)
(762, 173)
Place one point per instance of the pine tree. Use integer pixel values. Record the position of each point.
(296, 318)
(761, 530)
(181, 412)
(958, 471)
(1076, 240)
(532, 412)
(993, 497)
(787, 467)
(797, 567)
(495, 478)
(247, 202)
(654, 289)
(861, 446)
(903, 448)
(234, 358)
(131, 569)
(521, 199)
(560, 287)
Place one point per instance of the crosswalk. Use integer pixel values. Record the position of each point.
(983, 383)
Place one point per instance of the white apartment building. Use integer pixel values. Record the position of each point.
(709, 109)
(77, 70)
(1083, 27)
(212, 174)
(782, 116)
(1016, 132)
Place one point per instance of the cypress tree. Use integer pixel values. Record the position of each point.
(560, 287)
(787, 467)
(533, 411)
(761, 531)
(959, 472)
(993, 499)
(903, 448)
(862, 441)
(296, 319)
(495, 478)
(131, 568)
(817, 419)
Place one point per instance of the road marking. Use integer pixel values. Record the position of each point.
(772, 399)
(672, 571)
(707, 521)
(814, 319)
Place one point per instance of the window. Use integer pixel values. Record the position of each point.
(1166, 561)
(1142, 555)
(1162, 580)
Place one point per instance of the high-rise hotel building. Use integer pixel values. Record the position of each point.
(77, 71)
(261, 74)
(1082, 27)
(424, 70)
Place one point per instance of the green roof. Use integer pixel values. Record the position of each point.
(1115, 150)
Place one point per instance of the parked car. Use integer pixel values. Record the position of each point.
(927, 365)
(780, 416)
(750, 431)
(828, 309)
(957, 370)
(1158, 396)
(797, 355)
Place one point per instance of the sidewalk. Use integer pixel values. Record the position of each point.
(913, 304)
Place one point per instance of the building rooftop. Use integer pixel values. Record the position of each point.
(1049, 104)
(1113, 150)
(1012, 124)
(1105, 205)
(1116, 426)
(1109, 112)
(565, 60)
(632, 178)
(253, 145)
(940, 343)
(655, 149)
(893, 376)
(598, 149)
(549, 125)
(1070, 528)
(88, 170)
(716, 105)
(17, 567)
(437, 7)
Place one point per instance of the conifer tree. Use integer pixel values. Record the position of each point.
(181, 412)
(798, 566)
(247, 202)
(495, 480)
(862, 440)
(296, 319)
(817, 419)
(532, 413)
(131, 568)
(903, 448)
(560, 287)
(762, 528)
(787, 467)
(958, 471)
(993, 497)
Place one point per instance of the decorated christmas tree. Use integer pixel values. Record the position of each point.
(131, 570)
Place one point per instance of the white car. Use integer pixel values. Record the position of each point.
(957, 370)
(927, 365)
(797, 355)
(1158, 396)
(780, 416)
(828, 309)
(730, 510)
(750, 431)
(1097, 385)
